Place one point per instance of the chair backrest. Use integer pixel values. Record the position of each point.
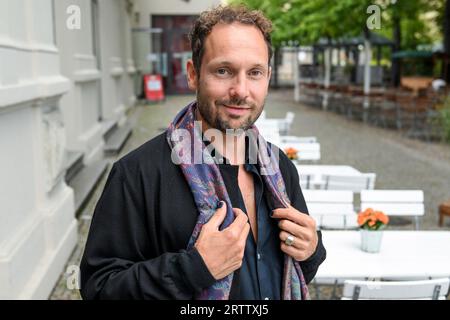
(284, 125)
(384, 290)
(294, 139)
(306, 151)
(290, 117)
(407, 203)
(305, 181)
(269, 130)
(355, 183)
(262, 116)
(331, 209)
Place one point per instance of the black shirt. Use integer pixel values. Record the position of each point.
(136, 247)
(262, 267)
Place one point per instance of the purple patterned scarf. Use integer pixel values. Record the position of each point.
(208, 188)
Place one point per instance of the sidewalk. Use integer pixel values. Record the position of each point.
(400, 163)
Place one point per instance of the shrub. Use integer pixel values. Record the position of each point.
(445, 118)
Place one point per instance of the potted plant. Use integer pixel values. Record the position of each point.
(371, 223)
(291, 153)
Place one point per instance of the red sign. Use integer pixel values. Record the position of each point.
(154, 90)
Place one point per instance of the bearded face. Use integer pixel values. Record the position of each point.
(233, 80)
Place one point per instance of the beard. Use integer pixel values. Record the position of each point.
(213, 117)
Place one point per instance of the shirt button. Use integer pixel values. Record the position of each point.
(266, 298)
(259, 256)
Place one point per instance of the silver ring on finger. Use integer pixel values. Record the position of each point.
(289, 240)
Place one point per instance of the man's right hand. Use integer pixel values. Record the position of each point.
(223, 251)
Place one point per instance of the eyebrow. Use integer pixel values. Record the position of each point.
(224, 62)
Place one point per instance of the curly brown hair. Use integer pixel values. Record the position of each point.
(226, 14)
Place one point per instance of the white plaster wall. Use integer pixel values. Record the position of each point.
(16, 153)
(113, 62)
(37, 225)
(81, 106)
(129, 97)
(171, 7)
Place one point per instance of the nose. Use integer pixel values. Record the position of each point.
(239, 88)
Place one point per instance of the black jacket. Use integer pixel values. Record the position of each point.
(136, 248)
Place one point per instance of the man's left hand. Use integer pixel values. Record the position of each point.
(302, 227)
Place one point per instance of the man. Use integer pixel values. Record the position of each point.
(169, 228)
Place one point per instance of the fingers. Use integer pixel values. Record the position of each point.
(294, 215)
(299, 254)
(218, 217)
(299, 249)
(298, 242)
(238, 230)
(294, 229)
(241, 219)
(238, 224)
(244, 233)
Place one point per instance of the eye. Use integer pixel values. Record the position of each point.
(256, 73)
(223, 71)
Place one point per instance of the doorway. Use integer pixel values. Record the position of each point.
(174, 49)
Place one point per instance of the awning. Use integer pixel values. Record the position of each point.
(412, 54)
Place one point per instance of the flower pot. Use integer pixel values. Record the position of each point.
(371, 240)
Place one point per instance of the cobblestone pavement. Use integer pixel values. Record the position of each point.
(399, 162)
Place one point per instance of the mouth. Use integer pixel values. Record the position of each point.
(235, 110)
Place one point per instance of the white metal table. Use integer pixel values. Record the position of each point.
(403, 255)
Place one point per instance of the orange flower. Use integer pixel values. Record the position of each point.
(372, 219)
(361, 219)
(291, 153)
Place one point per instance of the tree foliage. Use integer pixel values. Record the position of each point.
(421, 21)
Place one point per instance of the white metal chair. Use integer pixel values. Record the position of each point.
(331, 209)
(290, 117)
(407, 203)
(294, 139)
(435, 289)
(269, 130)
(284, 125)
(355, 183)
(262, 116)
(305, 181)
(306, 151)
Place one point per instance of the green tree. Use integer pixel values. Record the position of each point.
(404, 21)
(309, 20)
(446, 28)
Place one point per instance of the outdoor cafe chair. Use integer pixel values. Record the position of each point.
(305, 181)
(388, 112)
(294, 139)
(405, 203)
(284, 125)
(355, 109)
(355, 183)
(331, 209)
(431, 289)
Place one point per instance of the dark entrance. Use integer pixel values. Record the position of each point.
(172, 45)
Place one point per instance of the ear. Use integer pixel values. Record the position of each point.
(270, 72)
(191, 75)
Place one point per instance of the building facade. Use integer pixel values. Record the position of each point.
(160, 38)
(66, 78)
